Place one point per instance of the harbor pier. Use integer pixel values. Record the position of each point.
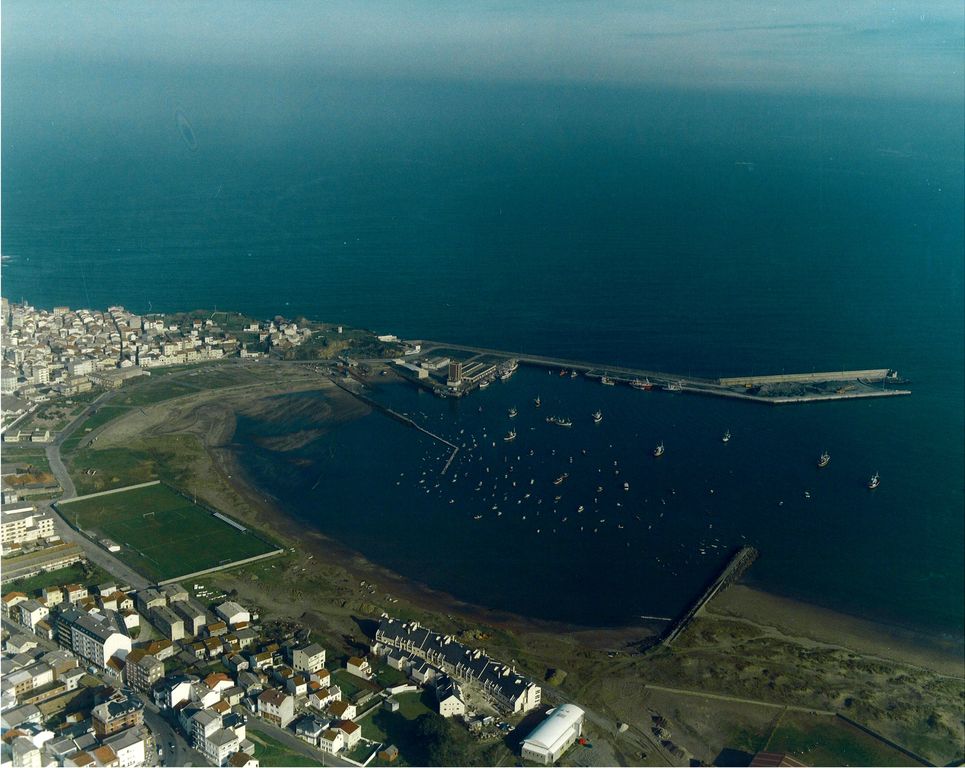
(735, 567)
(780, 389)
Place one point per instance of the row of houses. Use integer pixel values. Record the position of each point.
(407, 643)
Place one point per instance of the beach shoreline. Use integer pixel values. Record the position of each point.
(224, 483)
(791, 617)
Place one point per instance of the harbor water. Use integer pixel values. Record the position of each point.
(712, 233)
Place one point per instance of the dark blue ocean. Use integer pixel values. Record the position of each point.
(710, 233)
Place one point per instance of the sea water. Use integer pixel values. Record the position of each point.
(713, 233)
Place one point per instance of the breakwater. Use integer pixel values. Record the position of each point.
(780, 389)
(354, 388)
(735, 567)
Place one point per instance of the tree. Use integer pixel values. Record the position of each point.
(445, 743)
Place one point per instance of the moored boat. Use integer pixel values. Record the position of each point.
(644, 384)
(824, 460)
(726, 437)
(606, 381)
(537, 402)
(597, 417)
(511, 435)
(659, 450)
(874, 482)
(512, 413)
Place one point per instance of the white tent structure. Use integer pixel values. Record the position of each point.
(551, 738)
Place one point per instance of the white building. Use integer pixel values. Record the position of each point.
(311, 658)
(551, 738)
(129, 746)
(23, 525)
(92, 636)
(232, 613)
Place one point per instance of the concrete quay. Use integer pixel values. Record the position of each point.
(778, 389)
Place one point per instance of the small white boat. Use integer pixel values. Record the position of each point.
(824, 460)
(726, 437)
(659, 451)
(606, 381)
(537, 402)
(511, 435)
(874, 482)
(512, 413)
(597, 417)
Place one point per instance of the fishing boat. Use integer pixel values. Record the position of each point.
(726, 437)
(484, 383)
(561, 478)
(573, 374)
(512, 413)
(874, 482)
(510, 436)
(477, 517)
(606, 381)
(672, 387)
(597, 417)
(824, 460)
(644, 384)
(659, 451)
(537, 402)
(626, 486)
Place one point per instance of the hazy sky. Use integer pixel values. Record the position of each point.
(856, 46)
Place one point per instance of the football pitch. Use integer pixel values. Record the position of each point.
(161, 533)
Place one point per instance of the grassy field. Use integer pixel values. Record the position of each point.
(830, 741)
(86, 574)
(351, 685)
(161, 533)
(144, 393)
(271, 752)
(98, 418)
(32, 453)
(399, 727)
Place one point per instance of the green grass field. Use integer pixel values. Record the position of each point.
(161, 533)
(87, 574)
(829, 741)
(271, 752)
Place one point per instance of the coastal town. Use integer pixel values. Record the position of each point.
(110, 674)
(124, 645)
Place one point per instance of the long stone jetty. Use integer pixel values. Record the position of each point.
(780, 389)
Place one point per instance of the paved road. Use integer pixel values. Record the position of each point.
(165, 735)
(738, 700)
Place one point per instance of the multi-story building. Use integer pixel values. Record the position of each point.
(276, 707)
(166, 620)
(94, 636)
(142, 670)
(23, 525)
(500, 683)
(120, 710)
(311, 658)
